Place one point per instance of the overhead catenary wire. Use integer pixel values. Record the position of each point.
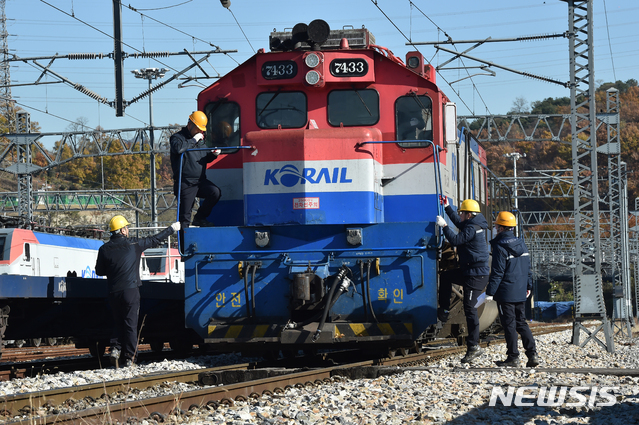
(169, 7)
(241, 29)
(415, 47)
(193, 37)
(450, 40)
(102, 32)
(612, 60)
(95, 96)
(59, 117)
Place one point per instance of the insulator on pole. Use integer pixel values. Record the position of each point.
(90, 93)
(150, 55)
(76, 56)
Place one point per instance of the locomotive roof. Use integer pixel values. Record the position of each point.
(318, 36)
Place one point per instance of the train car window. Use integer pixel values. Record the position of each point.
(413, 119)
(2, 243)
(353, 107)
(285, 109)
(155, 264)
(223, 127)
(27, 252)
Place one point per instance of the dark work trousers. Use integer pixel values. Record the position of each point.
(208, 193)
(513, 320)
(473, 288)
(125, 306)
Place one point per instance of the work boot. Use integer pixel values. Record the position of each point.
(442, 315)
(533, 360)
(199, 222)
(472, 353)
(114, 356)
(509, 362)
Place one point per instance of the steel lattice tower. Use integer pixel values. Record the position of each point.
(6, 105)
(589, 300)
(618, 217)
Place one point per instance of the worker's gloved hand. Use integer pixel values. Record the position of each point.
(217, 151)
(176, 226)
(440, 221)
(443, 200)
(489, 298)
(198, 137)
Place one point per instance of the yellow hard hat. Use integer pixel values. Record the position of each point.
(470, 205)
(506, 219)
(199, 119)
(117, 223)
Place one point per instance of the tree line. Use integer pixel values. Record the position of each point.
(133, 171)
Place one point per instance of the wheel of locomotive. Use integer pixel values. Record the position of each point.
(157, 346)
(35, 342)
(96, 349)
(51, 341)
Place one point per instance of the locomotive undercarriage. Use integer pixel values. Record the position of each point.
(312, 325)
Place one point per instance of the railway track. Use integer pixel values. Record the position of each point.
(234, 383)
(24, 354)
(28, 362)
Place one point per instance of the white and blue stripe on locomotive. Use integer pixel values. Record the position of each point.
(29, 253)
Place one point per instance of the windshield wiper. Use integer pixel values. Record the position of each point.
(363, 103)
(269, 102)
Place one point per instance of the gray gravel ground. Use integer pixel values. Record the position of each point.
(440, 394)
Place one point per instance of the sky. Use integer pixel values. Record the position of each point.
(43, 28)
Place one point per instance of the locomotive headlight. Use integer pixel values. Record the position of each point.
(413, 62)
(312, 60)
(312, 77)
(354, 236)
(262, 239)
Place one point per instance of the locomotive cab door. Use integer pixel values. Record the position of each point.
(28, 264)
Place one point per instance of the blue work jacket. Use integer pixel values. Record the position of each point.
(470, 242)
(511, 275)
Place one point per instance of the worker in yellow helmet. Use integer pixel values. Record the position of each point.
(473, 270)
(510, 283)
(193, 182)
(119, 261)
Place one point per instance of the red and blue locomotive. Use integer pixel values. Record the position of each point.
(335, 156)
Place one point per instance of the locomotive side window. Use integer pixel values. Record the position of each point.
(27, 252)
(2, 243)
(353, 107)
(223, 127)
(286, 109)
(413, 119)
